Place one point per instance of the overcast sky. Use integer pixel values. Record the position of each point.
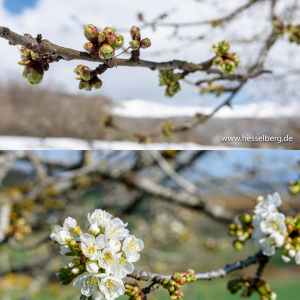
(53, 20)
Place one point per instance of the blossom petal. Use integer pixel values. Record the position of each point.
(297, 258)
(87, 239)
(79, 280)
(133, 257)
(101, 241)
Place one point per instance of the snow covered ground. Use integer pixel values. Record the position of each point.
(34, 143)
(146, 109)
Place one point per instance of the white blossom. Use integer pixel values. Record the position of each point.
(90, 283)
(64, 250)
(268, 206)
(108, 260)
(90, 245)
(112, 287)
(60, 235)
(99, 217)
(116, 229)
(292, 253)
(270, 243)
(273, 222)
(114, 244)
(94, 229)
(123, 267)
(131, 247)
(92, 267)
(70, 223)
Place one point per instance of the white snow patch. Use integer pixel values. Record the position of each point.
(146, 109)
(35, 143)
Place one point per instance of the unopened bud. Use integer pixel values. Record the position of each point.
(224, 47)
(34, 76)
(119, 42)
(91, 32)
(111, 39)
(89, 47)
(34, 56)
(247, 218)
(238, 245)
(295, 189)
(86, 75)
(94, 229)
(25, 73)
(106, 51)
(135, 44)
(108, 31)
(77, 270)
(145, 43)
(101, 37)
(25, 53)
(83, 85)
(135, 33)
(96, 83)
(73, 263)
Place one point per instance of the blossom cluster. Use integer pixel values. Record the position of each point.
(270, 229)
(105, 255)
(136, 42)
(88, 78)
(33, 71)
(250, 285)
(227, 61)
(170, 79)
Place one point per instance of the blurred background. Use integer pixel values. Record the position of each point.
(178, 202)
(56, 108)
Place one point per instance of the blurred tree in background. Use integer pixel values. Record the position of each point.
(178, 202)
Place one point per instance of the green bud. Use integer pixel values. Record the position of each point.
(25, 53)
(119, 42)
(145, 43)
(34, 76)
(238, 245)
(135, 33)
(108, 31)
(96, 83)
(25, 73)
(224, 47)
(247, 218)
(86, 75)
(106, 51)
(83, 85)
(228, 67)
(68, 280)
(91, 32)
(171, 289)
(135, 44)
(101, 37)
(295, 189)
(231, 226)
(34, 56)
(172, 90)
(73, 263)
(24, 62)
(89, 47)
(218, 61)
(30, 82)
(111, 39)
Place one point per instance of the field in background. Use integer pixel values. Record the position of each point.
(27, 111)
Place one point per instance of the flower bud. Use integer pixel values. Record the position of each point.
(34, 56)
(224, 47)
(30, 82)
(101, 37)
(228, 67)
(96, 83)
(25, 73)
(189, 272)
(135, 44)
(176, 276)
(135, 33)
(108, 31)
(177, 286)
(106, 51)
(165, 282)
(247, 218)
(89, 47)
(94, 229)
(25, 53)
(171, 289)
(292, 253)
(73, 263)
(79, 69)
(83, 85)
(34, 76)
(294, 190)
(182, 281)
(24, 62)
(238, 245)
(231, 226)
(111, 39)
(86, 75)
(218, 61)
(172, 90)
(77, 270)
(91, 32)
(145, 43)
(119, 42)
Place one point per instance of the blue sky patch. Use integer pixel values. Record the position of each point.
(17, 6)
